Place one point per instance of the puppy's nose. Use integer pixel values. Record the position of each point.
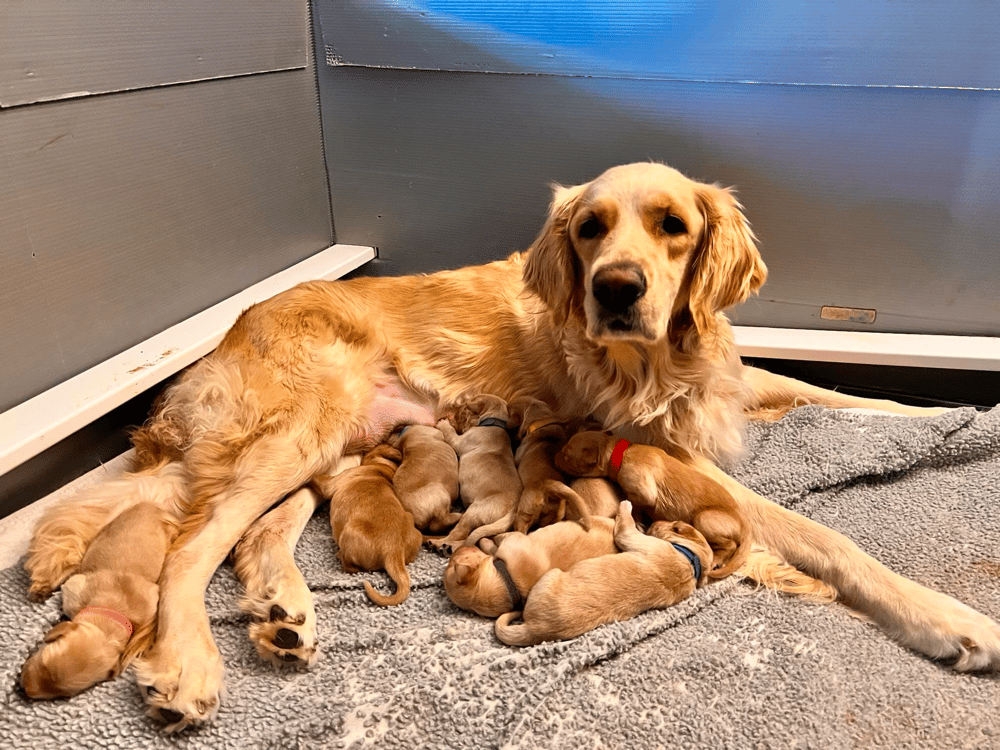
(619, 286)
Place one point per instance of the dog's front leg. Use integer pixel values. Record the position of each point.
(283, 627)
(922, 619)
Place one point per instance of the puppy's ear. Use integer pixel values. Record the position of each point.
(464, 573)
(63, 628)
(552, 270)
(726, 268)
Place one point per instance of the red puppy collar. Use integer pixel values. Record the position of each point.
(112, 614)
(617, 454)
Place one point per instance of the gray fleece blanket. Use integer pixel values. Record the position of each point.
(731, 667)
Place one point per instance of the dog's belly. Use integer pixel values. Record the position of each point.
(394, 404)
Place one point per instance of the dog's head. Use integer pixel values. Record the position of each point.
(688, 536)
(469, 411)
(584, 454)
(74, 657)
(640, 249)
(473, 584)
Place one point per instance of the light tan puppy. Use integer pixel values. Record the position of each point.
(649, 573)
(112, 600)
(372, 529)
(601, 495)
(487, 475)
(491, 584)
(426, 481)
(666, 489)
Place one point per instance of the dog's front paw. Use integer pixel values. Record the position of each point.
(182, 685)
(285, 637)
(966, 639)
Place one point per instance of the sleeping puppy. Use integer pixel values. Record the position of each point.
(487, 475)
(601, 495)
(498, 582)
(372, 529)
(426, 481)
(545, 493)
(112, 601)
(650, 573)
(664, 488)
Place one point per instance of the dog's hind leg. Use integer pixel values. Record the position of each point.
(65, 530)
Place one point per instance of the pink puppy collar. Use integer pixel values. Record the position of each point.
(112, 614)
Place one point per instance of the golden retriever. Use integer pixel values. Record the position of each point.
(616, 311)
(650, 572)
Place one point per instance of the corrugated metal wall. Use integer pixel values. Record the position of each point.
(864, 138)
(155, 159)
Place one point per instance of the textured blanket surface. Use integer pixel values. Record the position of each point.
(731, 667)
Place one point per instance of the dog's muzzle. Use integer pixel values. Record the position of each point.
(617, 288)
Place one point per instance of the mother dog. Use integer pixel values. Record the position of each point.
(614, 311)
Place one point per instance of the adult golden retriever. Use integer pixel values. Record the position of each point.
(615, 311)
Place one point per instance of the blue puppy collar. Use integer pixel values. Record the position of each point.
(493, 422)
(692, 558)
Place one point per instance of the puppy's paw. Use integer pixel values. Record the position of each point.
(182, 685)
(442, 546)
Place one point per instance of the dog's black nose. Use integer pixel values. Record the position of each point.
(619, 286)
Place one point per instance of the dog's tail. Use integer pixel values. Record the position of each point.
(502, 524)
(397, 572)
(567, 497)
(66, 529)
(513, 635)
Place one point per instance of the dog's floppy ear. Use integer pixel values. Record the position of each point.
(61, 629)
(551, 270)
(727, 267)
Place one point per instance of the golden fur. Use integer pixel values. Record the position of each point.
(291, 384)
(119, 572)
(427, 478)
(665, 489)
(372, 529)
(473, 583)
(649, 573)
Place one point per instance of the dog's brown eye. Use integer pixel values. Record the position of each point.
(590, 228)
(672, 225)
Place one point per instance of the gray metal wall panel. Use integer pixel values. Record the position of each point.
(863, 196)
(123, 215)
(52, 49)
(872, 198)
(926, 43)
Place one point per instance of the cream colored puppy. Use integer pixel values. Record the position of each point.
(488, 478)
(112, 601)
(426, 481)
(498, 582)
(649, 573)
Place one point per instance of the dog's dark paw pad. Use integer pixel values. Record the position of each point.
(169, 716)
(289, 658)
(277, 613)
(286, 639)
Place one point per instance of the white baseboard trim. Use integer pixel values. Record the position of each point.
(39, 423)
(866, 348)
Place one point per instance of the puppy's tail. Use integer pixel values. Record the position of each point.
(567, 497)
(398, 573)
(502, 524)
(513, 635)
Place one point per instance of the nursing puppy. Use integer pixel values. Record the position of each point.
(649, 573)
(426, 481)
(665, 489)
(488, 478)
(112, 600)
(498, 582)
(372, 529)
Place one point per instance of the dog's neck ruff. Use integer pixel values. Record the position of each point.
(692, 558)
(615, 464)
(112, 614)
(493, 422)
(516, 600)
